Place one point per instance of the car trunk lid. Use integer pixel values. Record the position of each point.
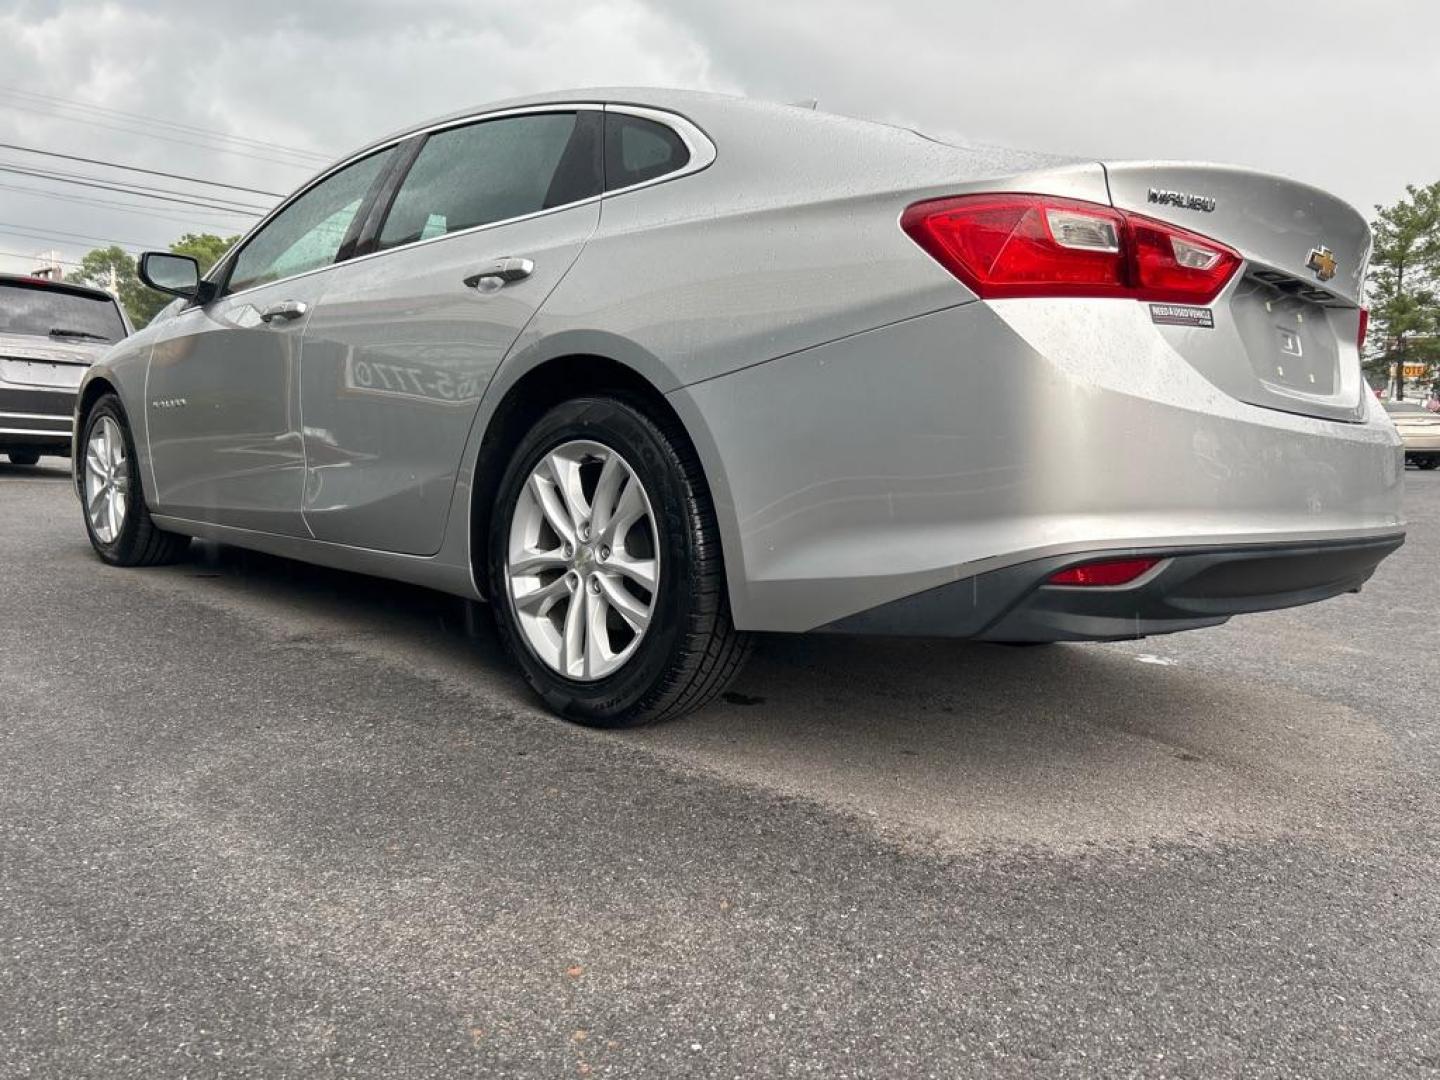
(1285, 330)
(28, 360)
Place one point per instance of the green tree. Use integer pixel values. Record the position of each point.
(112, 268)
(204, 248)
(1404, 309)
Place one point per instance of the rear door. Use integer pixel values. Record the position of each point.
(222, 394)
(488, 218)
(1284, 334)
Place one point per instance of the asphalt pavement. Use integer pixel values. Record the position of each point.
(259, 819)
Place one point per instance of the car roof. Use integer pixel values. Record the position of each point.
(71, 287)
(671, 100)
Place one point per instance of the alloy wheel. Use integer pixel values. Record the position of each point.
(107, 480)
(583, 560)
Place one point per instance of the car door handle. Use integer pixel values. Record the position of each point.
(284, 311)
(501, 273)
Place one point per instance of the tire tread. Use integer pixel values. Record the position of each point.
(712, 650)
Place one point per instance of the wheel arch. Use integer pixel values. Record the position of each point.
(547, 383)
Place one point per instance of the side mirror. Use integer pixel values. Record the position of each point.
(164, 271)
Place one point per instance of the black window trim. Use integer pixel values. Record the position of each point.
(384, 200)
(702, 155)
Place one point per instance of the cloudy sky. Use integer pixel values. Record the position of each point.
(1343, 94)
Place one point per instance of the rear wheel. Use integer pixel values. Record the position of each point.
(605, 569)
(24, 457)
(116, 517)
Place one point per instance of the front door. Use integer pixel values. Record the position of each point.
(484, 225)
(222, 393)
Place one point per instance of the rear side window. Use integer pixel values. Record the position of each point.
(492, 171)
(637, 150)
(43, 311)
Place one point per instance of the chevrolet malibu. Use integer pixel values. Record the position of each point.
(650, 370)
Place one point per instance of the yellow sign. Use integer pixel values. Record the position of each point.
(1416, 371)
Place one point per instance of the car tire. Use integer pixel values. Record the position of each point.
(689, 650)
(24, 457)
(137, 541)
(1427, 463)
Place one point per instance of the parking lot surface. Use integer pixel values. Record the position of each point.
(261, 819)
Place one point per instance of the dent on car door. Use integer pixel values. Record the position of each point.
(222, 391)
(486, 222)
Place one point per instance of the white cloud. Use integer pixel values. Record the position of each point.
(1336, 93)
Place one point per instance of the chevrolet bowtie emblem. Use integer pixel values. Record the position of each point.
(1322, 261)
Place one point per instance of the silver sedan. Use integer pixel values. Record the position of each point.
(648, 370)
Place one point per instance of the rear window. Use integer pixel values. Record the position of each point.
(42, 311)
(637, 150)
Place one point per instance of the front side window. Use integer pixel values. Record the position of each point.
(637, 150)
(307, 234)
(492, 171)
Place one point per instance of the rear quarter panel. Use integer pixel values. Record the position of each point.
(789, 239)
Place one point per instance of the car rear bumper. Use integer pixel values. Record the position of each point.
(939, 449)
(1189, 589)
(34, 417)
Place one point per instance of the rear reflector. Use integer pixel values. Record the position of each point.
(1363, 330)
(1039, 245)
(1105, 572)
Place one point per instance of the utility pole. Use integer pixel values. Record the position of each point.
(48, 266)
(1400, 368)
(1400, 339)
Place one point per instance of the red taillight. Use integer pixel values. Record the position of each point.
(1037, 245)
(1363, 329)
(1105, 572)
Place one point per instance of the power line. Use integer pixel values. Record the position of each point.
(123, 207)
(134, 190)
(9, 228)
(308, 165)
(55, 100)
(40, 255)
(138, 169)
(310, 162)
(129, 185)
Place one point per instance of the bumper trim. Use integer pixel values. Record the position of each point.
(49, 433)
(1194, 587)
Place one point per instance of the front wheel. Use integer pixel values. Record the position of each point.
(605, 569)
(116, 517)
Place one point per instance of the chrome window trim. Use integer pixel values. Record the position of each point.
(702, 155)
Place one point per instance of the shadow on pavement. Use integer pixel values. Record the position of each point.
(953, 743)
